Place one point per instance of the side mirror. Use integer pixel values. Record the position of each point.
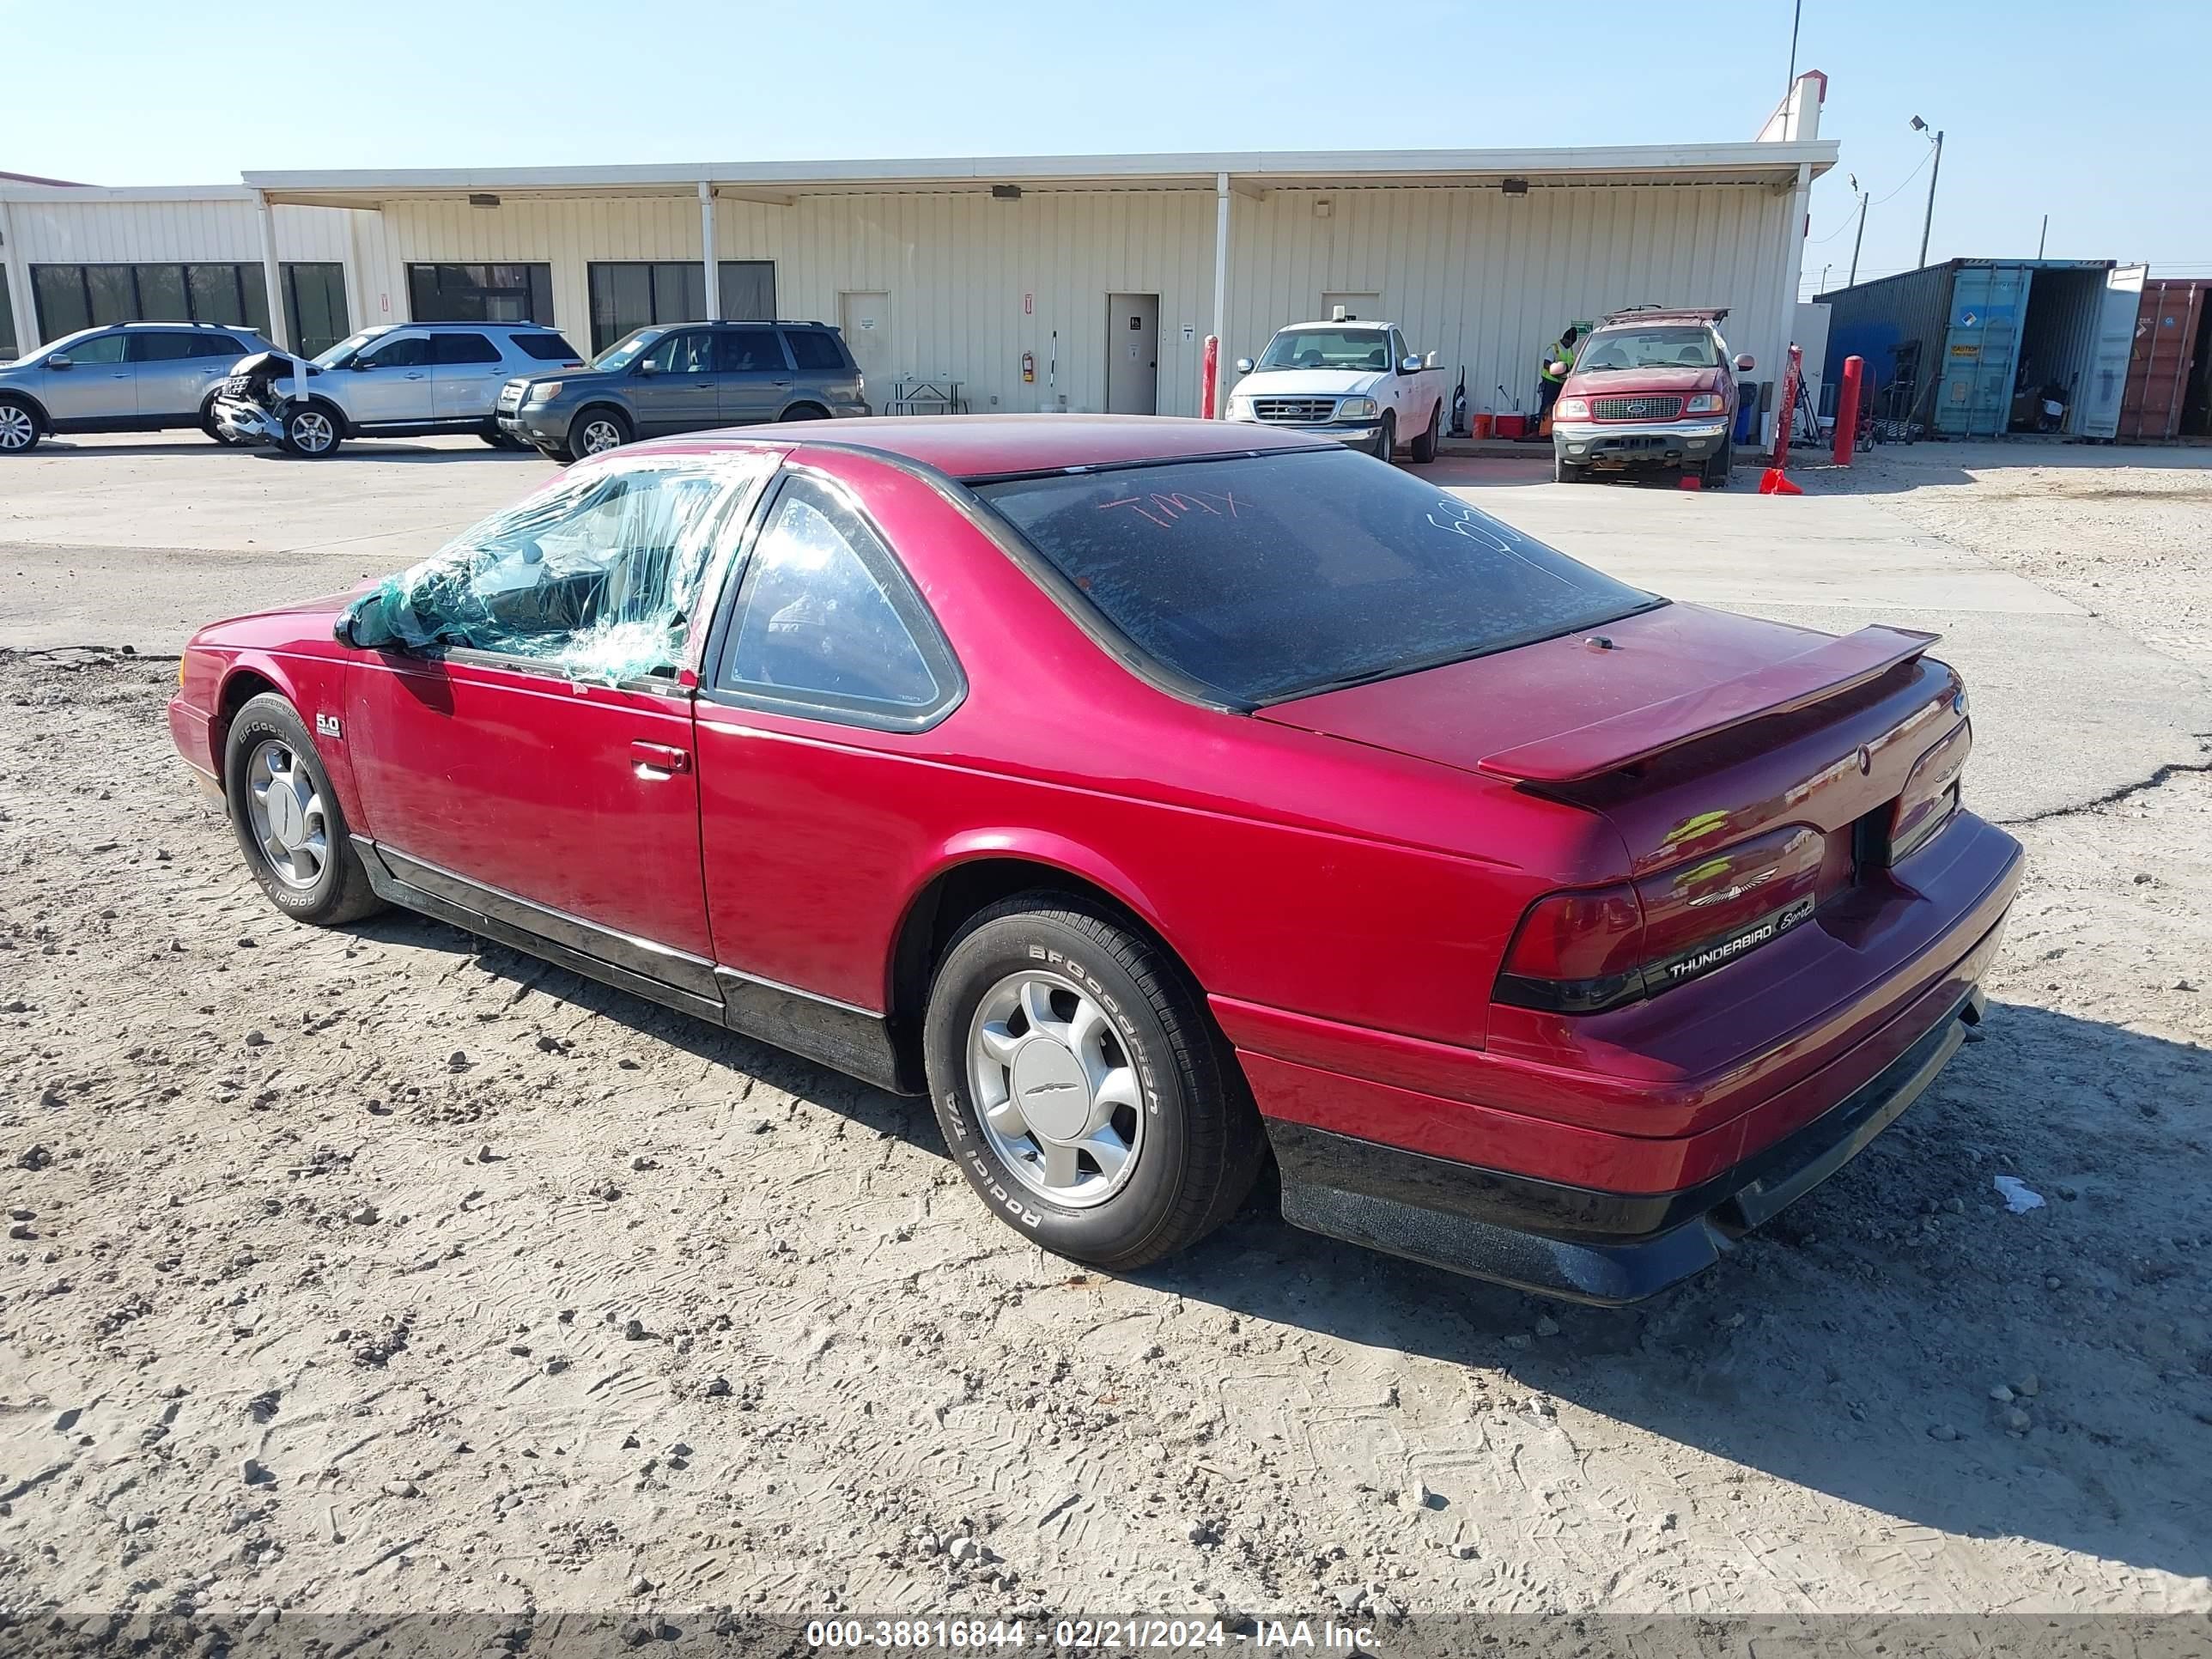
(60, 360)
(1243, 365)
(1560, 369)
(647, 366)
(360, 366)
(1409, 365)
(366, 625)
(1744, 363)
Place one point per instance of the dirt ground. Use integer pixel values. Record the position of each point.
(385, 1269)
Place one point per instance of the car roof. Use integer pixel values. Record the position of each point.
(975, 447)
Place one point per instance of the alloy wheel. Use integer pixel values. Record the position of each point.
(16, 430)
(1055, 1090)
(601, 434)
(312, 431)
(289, 824)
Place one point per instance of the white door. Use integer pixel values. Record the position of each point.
(866, 320)
(2116, 345)
(1132, 354)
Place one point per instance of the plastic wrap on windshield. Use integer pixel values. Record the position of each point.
(597, 576)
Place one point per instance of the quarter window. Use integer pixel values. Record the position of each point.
(815, 348)
(826, 622)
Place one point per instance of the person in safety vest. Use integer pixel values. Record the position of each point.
(1555, 362)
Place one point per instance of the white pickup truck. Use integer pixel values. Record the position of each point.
(1354, 382)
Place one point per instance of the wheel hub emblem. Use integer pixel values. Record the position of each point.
(1054, 1090)
(285, 818)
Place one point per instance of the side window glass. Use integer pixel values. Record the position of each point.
(106, 349)
(449, 348)
(687, 353)
(408, 351)
(826, 618)
(814, 350)
(162, 348)
(750, 351)
(600, 577)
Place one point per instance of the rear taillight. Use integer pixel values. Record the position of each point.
(1576, 952)
(1930, 794)
(1579, 952)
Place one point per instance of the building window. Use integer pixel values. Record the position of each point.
(481, 293)
(315, 308)
(72, 297)
(8, 347)
(631, 293)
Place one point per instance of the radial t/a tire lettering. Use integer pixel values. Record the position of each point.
(288, 820)
(1082, 1087)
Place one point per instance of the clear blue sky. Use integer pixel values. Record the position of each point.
(2095, 112)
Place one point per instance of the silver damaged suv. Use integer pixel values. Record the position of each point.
(398, 380)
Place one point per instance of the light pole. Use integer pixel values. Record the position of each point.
(1934, 173)
(1859, 241)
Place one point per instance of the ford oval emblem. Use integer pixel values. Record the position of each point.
(1866, 760)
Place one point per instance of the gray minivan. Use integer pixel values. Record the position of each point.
(126, 377)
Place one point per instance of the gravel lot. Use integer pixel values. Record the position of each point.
(388, 1270)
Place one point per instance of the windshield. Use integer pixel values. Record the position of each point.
(1327, 348)
(1264, 577)
(628, 349)
(342, 354)
(1683, 346)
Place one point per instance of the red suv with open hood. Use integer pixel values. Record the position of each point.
(1650, 387)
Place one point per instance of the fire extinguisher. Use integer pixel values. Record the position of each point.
(1029, 368)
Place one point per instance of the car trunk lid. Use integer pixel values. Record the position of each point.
(1745, 763)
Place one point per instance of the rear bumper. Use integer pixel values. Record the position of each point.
(1634, 444)
(1578, 1243)
(1607, 1183)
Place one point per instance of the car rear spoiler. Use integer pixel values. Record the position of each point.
(1828, 670)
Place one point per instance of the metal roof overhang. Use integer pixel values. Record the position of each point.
(1249, 172)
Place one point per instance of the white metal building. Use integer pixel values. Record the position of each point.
(1041, 282)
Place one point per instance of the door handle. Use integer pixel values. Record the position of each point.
(659, 760)
(415, 375)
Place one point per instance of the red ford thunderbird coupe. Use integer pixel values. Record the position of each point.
(1159, 797)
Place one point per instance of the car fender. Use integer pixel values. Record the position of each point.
(30, 400)
(316, 687)
(1041, 846)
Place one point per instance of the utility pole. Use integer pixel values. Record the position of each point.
(2042, 236)
(1934, 173)
(1796, 16)
(1859, 241)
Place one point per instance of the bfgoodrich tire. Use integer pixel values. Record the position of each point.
(1054, 1036)
(287, 820)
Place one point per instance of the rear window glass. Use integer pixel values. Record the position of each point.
(1271, 577)
(547, 348)
(814, 348)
